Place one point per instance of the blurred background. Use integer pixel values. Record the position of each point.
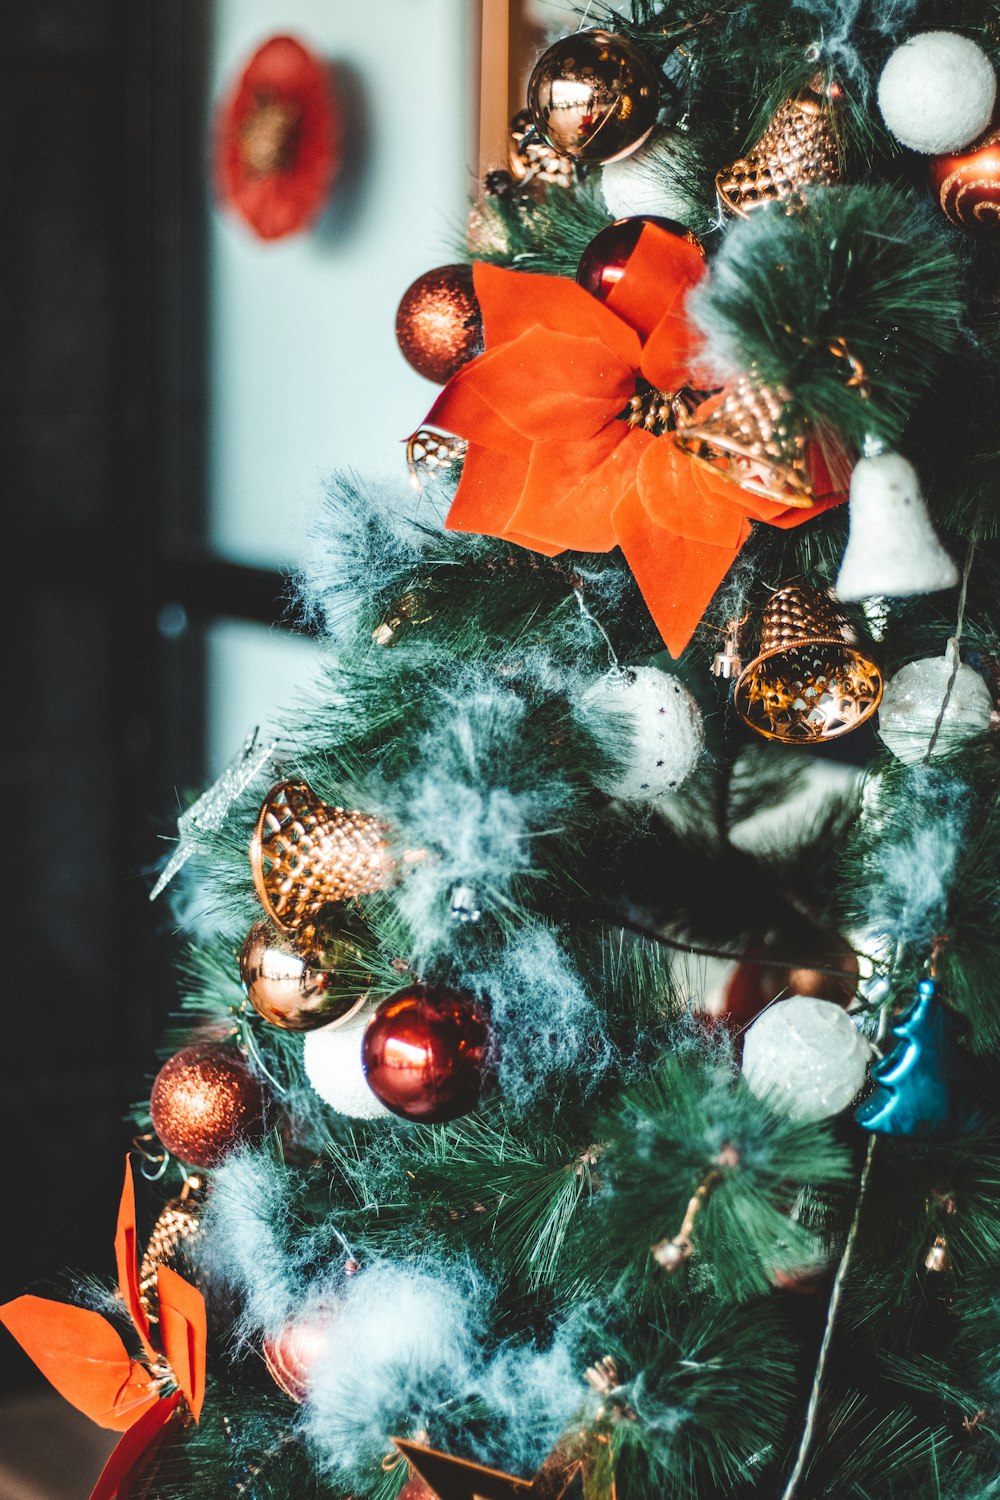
(174, 391)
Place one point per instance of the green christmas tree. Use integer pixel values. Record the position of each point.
(452, 1153)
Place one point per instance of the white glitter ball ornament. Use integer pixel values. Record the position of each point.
(667, 733)
(332, 1060)
(805, 1057)
(646, 182)
(937, 92)
(912, 704)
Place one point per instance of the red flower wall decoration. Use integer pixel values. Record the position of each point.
(277, 145)
(551, 465)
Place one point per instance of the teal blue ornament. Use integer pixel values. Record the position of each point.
(921, 1086)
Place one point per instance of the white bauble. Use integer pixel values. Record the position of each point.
(893, 550)
(644, 183)
(912, 703)
(667, 733)
(937, 92)
(805, 1057)
(332, 1060)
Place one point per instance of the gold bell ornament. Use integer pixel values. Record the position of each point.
(428, 451)
(171, 1240)
(808, 684)
(305, 855)
(799, 149)
(752, 435)
(892, 550)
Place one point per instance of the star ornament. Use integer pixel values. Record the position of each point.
(552, 465)
(85, 1359)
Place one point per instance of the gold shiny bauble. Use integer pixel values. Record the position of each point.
(809, 684)
(172, 1238)
(750, 435)
(967, 185)
(206, 1102)
(594, 96)
(305, 855)
(799, 149)
(301, 992)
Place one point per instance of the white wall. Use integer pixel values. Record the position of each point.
(305, 372)
(305, 375)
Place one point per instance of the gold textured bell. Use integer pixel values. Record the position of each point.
(799, 149)
(428, 451)
(304, 855)
(532, 160)
(302, 991)
(809, 684)
(752, 435)
(172, 1237)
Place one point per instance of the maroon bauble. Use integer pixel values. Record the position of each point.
(967, 184)
(206, 1102)
(603, 263)
(291, 1353)
(423, 1053)
(439, 325)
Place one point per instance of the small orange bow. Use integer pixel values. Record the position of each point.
(550, 465)
(85, 1359)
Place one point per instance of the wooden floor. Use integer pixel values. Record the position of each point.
(48, 1451)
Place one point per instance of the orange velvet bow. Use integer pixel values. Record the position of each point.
(83, 1356)
(549, 465)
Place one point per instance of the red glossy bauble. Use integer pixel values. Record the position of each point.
(423, 1053)
(291, 1353)
(603, 263)
(439, 325)
(206, 1102)
(967, 185)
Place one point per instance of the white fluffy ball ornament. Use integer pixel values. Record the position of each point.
(644, 183)
(667, 733)
(332, 1060)
(913, 701)
(805, 1057)
(937, 92)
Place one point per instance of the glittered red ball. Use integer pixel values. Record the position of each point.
(423, 1053)
(439, 324)
(603, 263)
(291, 1353)
(967, 185)
(205, 1102)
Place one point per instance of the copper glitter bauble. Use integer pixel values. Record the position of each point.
(423, 1053)
(594, 96)
(305, 855)
(603, 263)
(799, 149)
(967, 185)
(291, 1353)
(439, 325)
(301, 991)
(808, 684)
(206, 1102)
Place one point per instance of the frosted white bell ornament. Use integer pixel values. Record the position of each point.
(892, 550)
(932, 707)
